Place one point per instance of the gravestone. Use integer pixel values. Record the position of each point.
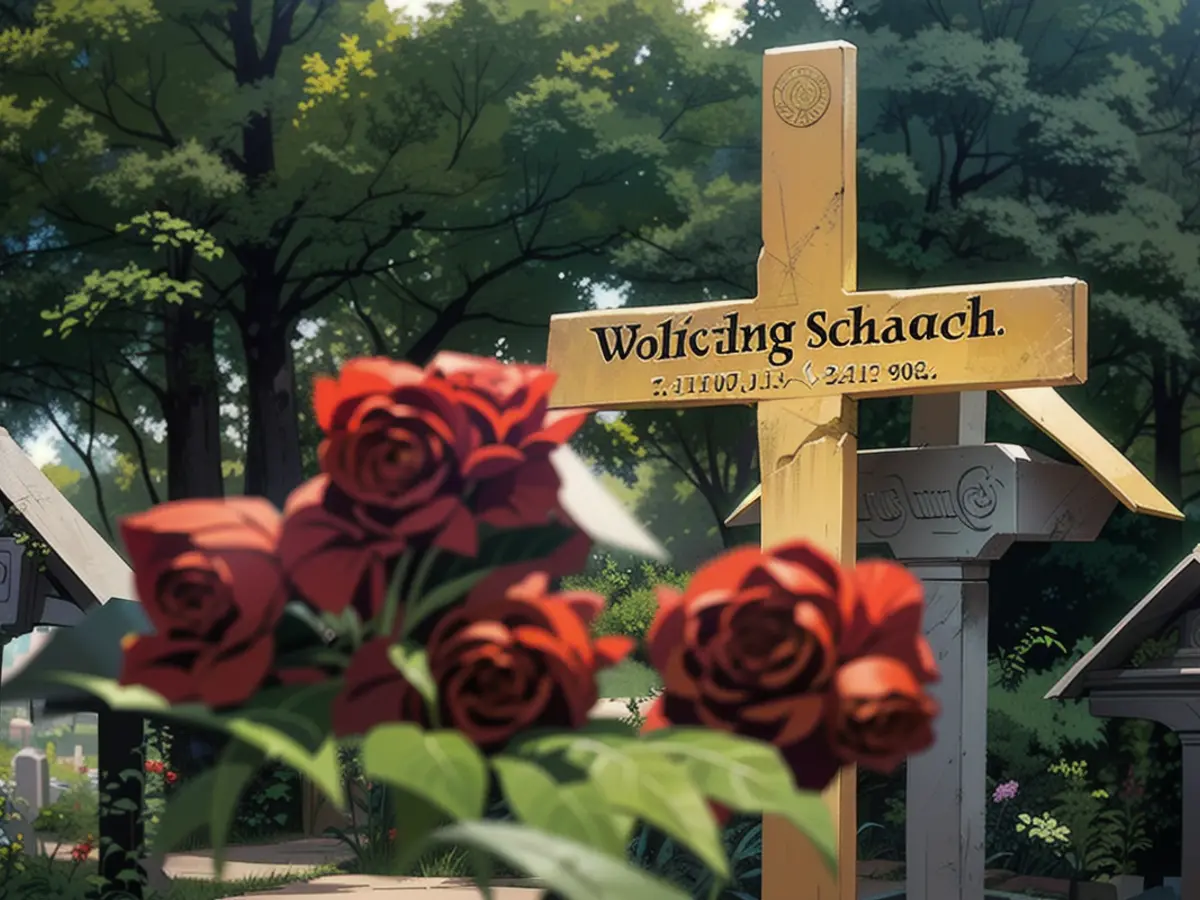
(31, 781)
(20, 731)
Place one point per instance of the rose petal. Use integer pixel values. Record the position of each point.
(665, 635)
(164, 666)
(358, 378)
(880, 742)
(230, 678)
(329, 558)
(612, 649)
(812, 762)
(373, 693)
(655, 717)
(558, 427)
(492, 461)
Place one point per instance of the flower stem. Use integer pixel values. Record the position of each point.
(420, 577)
(391, 602)
(422, 574)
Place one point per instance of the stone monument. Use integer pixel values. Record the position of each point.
(948, 507)
(31, 779)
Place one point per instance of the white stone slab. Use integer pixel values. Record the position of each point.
(31, 776)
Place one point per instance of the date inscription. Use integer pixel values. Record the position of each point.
(872, 373)
(755, 381)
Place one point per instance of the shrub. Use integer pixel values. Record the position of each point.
(631, 615)
(73, 816)
(271, 805)
(630, 591)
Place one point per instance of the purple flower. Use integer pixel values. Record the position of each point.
(1004, 792)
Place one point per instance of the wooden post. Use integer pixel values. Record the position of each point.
(811, 493)
(807, 346)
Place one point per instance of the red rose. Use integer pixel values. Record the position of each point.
(374, 693)
(880, 715)
(417, 457)
(502, 665)
(332, 551)
(395, 441)
(885, 617)
(751, 646)
(210, 583)
(515, 483)
(880, 712)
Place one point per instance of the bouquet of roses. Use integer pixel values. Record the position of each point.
(403, 603)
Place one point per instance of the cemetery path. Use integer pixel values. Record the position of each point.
(301, 856)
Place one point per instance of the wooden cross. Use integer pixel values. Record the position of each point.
(806, 348)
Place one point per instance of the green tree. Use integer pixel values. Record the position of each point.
(454, 180)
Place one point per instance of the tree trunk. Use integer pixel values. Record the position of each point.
(122, 779)
(192, 410)
(192, 406)
(273, 462)
(1170, 395)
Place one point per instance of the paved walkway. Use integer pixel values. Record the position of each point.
(301, 856)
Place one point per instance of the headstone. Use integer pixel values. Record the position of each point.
(31, 776)
(80, 760)
(20, 731)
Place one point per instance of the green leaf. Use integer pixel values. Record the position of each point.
(541, 742)
(747, 776)
(413, 663)
(94, 650)
(414, 818)
(233, 772)
(649, 787)
(574, 809)
(569, 869)
(292, 725)
(187, 812)
(441, 767)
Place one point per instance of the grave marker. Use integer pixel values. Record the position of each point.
(31, 780)
(806, 347)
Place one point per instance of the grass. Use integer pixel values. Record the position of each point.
(65, 880)
(63, 768)
(196, 889)
(628, 679)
